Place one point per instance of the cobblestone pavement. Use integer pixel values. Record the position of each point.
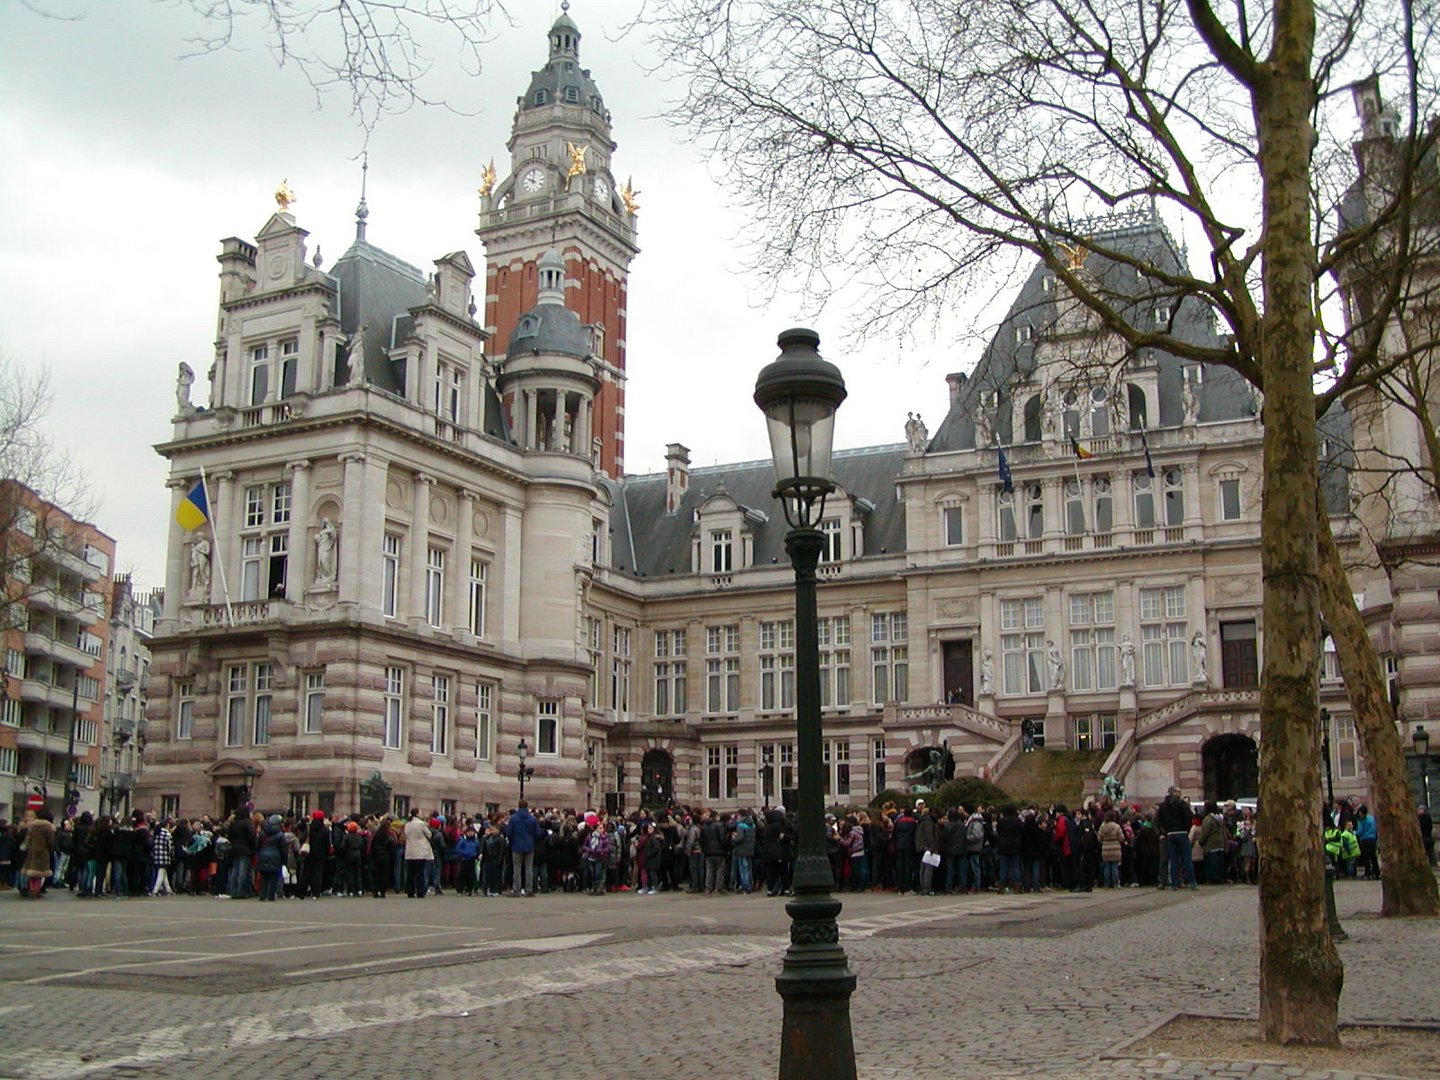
(994, 987)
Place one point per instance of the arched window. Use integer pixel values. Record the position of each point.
(1032, 419)
(1034, 512)
(1138, 413)
(1005, 520)
(1072, 415)
(1099, 411)
(1174, 497)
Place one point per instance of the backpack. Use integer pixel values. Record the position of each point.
(975, 832)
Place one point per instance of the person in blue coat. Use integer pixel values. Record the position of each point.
(1368, 835)
(523, 831)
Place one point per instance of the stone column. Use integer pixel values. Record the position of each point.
(177, 555)
(581, 433)
(351, 551)
(419, 543)
(557, 428)
(298, 570)
(225, 529)
(985, 520)
(1191, 486)
(1122, 488)
(460, 579)
(532, 407)
(1054, 503)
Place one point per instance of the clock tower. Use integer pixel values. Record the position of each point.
(561, 194)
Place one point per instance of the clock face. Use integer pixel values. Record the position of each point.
(533, 180)
(602, 190)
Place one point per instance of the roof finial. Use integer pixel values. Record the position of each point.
(565, 6)
(362, 211)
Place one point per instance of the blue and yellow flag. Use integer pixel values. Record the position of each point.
(194, 508)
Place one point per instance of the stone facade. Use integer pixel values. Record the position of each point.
(422, 547)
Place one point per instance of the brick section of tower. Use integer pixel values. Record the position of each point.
(596, 296)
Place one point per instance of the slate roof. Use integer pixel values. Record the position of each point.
(376, 288)
(647, 542)
(563, 71)
(1006, 364)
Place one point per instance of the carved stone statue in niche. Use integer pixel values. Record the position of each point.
(200, 568)
(325, 561)
(184, 380)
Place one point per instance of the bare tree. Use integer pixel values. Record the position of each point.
(42, 489)
(919, 144)
(377, 51)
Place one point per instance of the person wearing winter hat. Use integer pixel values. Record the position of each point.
(316, 850)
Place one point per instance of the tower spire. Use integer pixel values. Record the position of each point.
(362, 211)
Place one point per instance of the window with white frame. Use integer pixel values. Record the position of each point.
(185, 709)
(15, 663)
(1228, 491)
(435, 586)
(169, 806)
(1034, 509)
(390, 576)
(237, 685)
(594, 634)
(669, 672)
(722, 669)
(1144, 488)
(721, 555)
(394, 708)
(712, 773)
(547, 728)
(289, 367)
(1006, 529)
(484, 720)
(1109, 731)
(1099, 411)
(1347, 747)
(777, 665)
(9, 761)
(952, 525)
(10, 710)
(87, 687)
(597, 542)
(834, 635)
(1092, 641)
(314, 702)
(1084, 733)
(264, 551)
(86, 731)
(299, 804)
(1330, 661)
(259, 374)
(787, 765)
(836, 759)
(84, 775)
(1037, 726)
(1163, 635)
(889, 656)
(1103, 513)
(732, 772)
(1074, 508)
(877, 759)
(440, 714)
(620, 660)
(1174, 494)
(1022, 645)
(1070, 415)
(477, 597)
(830, 536)
(448, 391)
(260, 714)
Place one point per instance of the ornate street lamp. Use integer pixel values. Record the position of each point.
(249, 784)
(799, 394)
(521, 771)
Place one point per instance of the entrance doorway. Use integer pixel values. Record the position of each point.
(232, 797)
(1232, 768)
(958, 665)
(1239, 661)
(657, 779)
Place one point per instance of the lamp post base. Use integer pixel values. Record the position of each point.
(815, 984)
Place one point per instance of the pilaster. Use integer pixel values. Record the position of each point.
(298, 575)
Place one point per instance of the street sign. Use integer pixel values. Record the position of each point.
(35, 801)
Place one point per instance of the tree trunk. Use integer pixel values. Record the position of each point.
(1407, 882)
(1300, 971)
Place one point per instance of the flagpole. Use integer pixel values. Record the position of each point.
(215, 542)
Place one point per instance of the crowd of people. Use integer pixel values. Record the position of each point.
(907, 849)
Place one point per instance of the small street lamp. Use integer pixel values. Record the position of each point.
(799, 393)
(1420, 740)
(1332, 915)
(522, 771)
(249, 784)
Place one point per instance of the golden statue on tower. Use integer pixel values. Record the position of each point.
(577, 159)
(487, 180)
(630, 197)
(284, 195)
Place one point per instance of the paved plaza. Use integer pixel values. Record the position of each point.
(1050, 985)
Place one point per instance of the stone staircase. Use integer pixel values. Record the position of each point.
(1050, 776)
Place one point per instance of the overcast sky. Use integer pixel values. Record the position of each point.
(126, 163)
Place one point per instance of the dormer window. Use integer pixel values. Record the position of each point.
(572, 95)
(1047, 284)
(830, 530)
(1162, 315)
(1023, 333)
(721, 551)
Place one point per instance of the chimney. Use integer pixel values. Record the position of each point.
(956, 380)
(677, 475)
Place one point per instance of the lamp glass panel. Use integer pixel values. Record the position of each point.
(801, 434)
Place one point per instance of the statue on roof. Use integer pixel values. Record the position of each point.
(487, 180)
(916, 434)
(984, 426)
(285, 195)
(577, 159)
(630, 197)
(355, 357)
(183, 382)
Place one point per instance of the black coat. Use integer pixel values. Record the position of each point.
(241, 835)
(774, 837)
(1009, 834)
